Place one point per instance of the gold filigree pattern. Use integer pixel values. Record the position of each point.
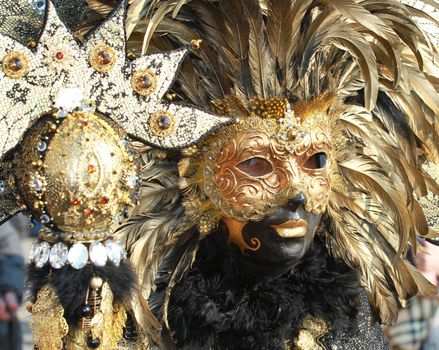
(284, 143)
(76, 175)
(108, 323)
(48, 325)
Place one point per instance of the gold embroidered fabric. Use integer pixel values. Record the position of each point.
(309, 336)
(48, 325)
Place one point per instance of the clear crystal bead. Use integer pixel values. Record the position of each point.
(87, 109)
(61, 113)
(42, 146)
(118, 219)
(41, 254)
(33, 251)
(69, 98)
(78, 256)
(132, 181)
(37, 184)
(44, 219)
(2, 186)
(98, 254)
(58, 255)
(113, 251)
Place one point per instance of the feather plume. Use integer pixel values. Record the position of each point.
(260, 61)
(369, 53)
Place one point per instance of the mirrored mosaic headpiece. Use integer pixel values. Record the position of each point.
(60, 76)
(67, 114)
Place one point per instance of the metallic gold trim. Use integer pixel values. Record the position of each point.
(48, 324)
(136, 82)
(97, 61)
(162, 127)
(236, 237)
(15, 72)
(312, 330)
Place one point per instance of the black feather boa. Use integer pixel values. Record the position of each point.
(220, 305)
(72, 285)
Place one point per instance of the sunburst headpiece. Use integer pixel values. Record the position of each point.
(76, 84)
(68, 113)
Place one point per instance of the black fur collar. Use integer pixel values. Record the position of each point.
(219, 306)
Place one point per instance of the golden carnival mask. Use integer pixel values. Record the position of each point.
(249, 169)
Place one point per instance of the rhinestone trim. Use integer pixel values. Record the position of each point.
(41, 250)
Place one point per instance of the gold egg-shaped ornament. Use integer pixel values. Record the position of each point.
(75, 174)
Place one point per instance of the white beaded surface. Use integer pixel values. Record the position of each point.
(60, 63)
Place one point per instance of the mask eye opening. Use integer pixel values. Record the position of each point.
(255, 167)
(316, 161)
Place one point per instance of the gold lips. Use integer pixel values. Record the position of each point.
(291, 228)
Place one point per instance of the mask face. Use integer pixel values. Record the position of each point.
(276, 197)
(269, 181)
(279, 240)
(255, 173)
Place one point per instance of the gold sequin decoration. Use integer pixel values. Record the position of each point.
(83, 206)
(430, 203)
(102, 58)
(273, 108)
(108, 323)
(144, 82)
(162, 123)
(312, 330)
(48, 324)
(15, 65)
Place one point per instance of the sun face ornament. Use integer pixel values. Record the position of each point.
(68, 113)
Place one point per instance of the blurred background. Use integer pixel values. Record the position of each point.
(16, 237)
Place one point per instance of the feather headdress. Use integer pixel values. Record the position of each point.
(382, 66)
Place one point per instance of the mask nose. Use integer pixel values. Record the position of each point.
(296, 202)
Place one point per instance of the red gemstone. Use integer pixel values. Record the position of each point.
(84, 123)
(144, 82)
(164, 122)
(76, 201)
(15, 64)
(104, 57)
(104, 200)
(89, 211)
(91, 169)
(59, 55)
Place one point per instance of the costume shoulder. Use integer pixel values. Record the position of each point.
(366, 332)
